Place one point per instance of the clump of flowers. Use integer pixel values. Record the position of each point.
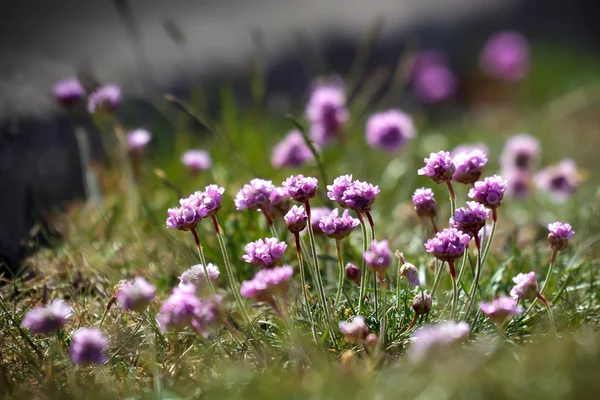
(196, 160)
(560, 181)
(378, 257)
(68, 91)
(354, 331)
(136, 295)
(518, 184)
(489, 192)
(197, 276)
(425, 205)
(255, 195)
(500, 309)
(296, 219)
(291, 152)
(337, 227)
(45, 319)
(469, 166)
(105, 98)
(439, 167)
(433, 340)
(185, 217)
(268, 283)
(355, 195)
(180, 309)
(88, 346)
(326, 111)
(448, 244)
(470, 219)
(316, 214)
(389, 130)
(301, 188)
(264, 253)
(506, 56)
(559, 235)
(526, 287)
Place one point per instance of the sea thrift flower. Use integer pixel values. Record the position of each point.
(296, 219)
(186, 216)
(448, 245)
(279, 202)
(138, 138)
(136, 295)
(389, 130)
(357, 195)
(422, 303)
(435, 84)
(469, 148)
(489, 192)
(500, 309)
(520, 152)
(196, 160)
(469, 166)
(107, 98)
(316, 214)
(518, 184)
(424, 202)
(432, 340)
(212, 197)
(336, 191)
(506, 56)
(470, 219)
(410, 272)
(353, 273)
(180, 309)
(354, 331)
(559, 235)
(254, 195)
(68, 91)
(326, 112)
(47, 319)
(88, 346)
(291, 152)
(439, 167)
(267, 283)
(264, 253)
(526, 287)
(301, 188)
(560, 181)
(337, 227)
(378, 257)
(196, 275)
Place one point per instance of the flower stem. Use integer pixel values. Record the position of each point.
(320, 288)
(545, 284)
(437, 278)
(372, 224)
(203, 259)
(433, 224)
(454, 289)
(364, 276)
(341, 273)
(303, 282)
(111, 301)
(473, 291)
(452, 196)
(384, 318)
(489, 241)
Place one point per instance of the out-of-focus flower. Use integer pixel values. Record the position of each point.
(197, 276)
(424, 202)
(196, 160)
(518, 184)
(521, 152)
(353, 273)
(489, 192)
(291, 152)
(255, 195)
(409, 271)
(268, 283)
(435, 84)
(136, 295)
(500, 309)
(432, 340)
(326, 111)
(316, 215)
(526, 287)
(138, 139)
(88, 346)
(470, 219)
(180, 309)
(448, 245)
(560, 181)
(559, 235)
(389, 130)
(439, 167)
(264, 253)
(469, 148)
(469, 166)
(105, 98)
(378, 257)
(506, 56)
(301, 188)
(47, 319)
(296, 219)
(68, 91)
(421, 304)
(354, 331)
(279, 202)
(212, 197)
(337, 227)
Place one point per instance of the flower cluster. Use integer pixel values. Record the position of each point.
(47, 319)
(506, 56)
(316, 215)
(355, 195)
(197, 276)
(408, 271)
(268, 283)
(88, 346)
(489, 192)
(197, 206)
(69, 91)
(439, 167)
(432, 80)
(559, 235)
(378, 257)
(560, 181)
(470, 219)
(500, 309)
(424, 202)
(431, 340)
(255, 195)
(196, 160)
(136, 295)
(138, 138)
(264, 253)
(526, 287)
(296, 219)
(105, 98)
(354, 331)
(279, 202)
(448, 245)
(301, 188)
(337, 227)
(291, 152)
(469, 166)
(389, 130)
(326, 111)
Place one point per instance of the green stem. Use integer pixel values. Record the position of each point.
(452, 197)
(320, 288)
(473, 291)
(341, 272)
(111, 301)
(364, 275)
(545, 284)
(489, 241)
(437, 278)
(454, 290)
(203, 260)
(384, 317)
(304, 289)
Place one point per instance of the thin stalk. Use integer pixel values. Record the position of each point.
(372, 224)
(551, 318)
(111, 301)
(364, 276)
(489, 241)
(463, 266)
(454, 289)
(341, 272)
(452, 197)
(398, 280)
(545, 284)
(375, 295)
(476, 279)
(437, 278)
(321, 289)
(384, 317)
(203, 260)
(304, 289)
(433, 224)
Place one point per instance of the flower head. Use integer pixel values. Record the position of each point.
(389, 130)
(88, 346)
(197, 276)
(439, 167)
(212, 197)
(353, 273)
(500, 309)
(188, 215)
(47, 319)
(469, 166)
(526, 287)
(316, 214)
(520, 152)
(138, 138)
(421, 303)
(337, 227)
(326, 111)
(136, 295)
(378, 257)
(209, 313)
(336, 191)
(469, 148)
(435, 84)
(254, 195)
(432, 340)
(518, 184)
(107, 98)
(409, 271)
(291, 152)
(267, 283)
(301, 188)
(448, 245)
(180, 309)
(68, 91)
(506, 56)
(296, 219)
(279, 202)
(424, 202)
(489, 192)
(196, 160)
(559, 235)
(354, 331)
(470, 219)
(560, 181)
(264, 253)
(356, 195)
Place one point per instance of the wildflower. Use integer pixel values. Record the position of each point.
(68, 91)
(518, 184)
(316, 214)
(378, 257)
(47, 319)
(489, 192)
(389, 130)
(180, 309)
(470, 219)
(353, 273)
(356, 195)
(409, 271)
(432, 340)
(469, 148)
(354, 331)
(338, 227)
(448, 245)
(506, 56)
(196, 160)
(500, 309)
(88, 346)
(560, 181)
(268, 283)
(187, 216)
(209, 313)
(326, 112)
(439, 167)
(196, 275)
(559, 235)
(134, 296)
(425, 204)
(279, 202)
(432, 79)
(296, 219)
(264, 253)
(421, 304)
(138, 139)
(212, 197)
(301, 188)
(292, 151)
(255, 195)
(107, 98)
(526, 287)
(521, 152)
(336, 191)
(469, 166)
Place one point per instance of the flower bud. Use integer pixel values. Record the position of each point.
(421, 304)
(353, 273)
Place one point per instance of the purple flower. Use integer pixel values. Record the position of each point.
(196, 275)
(422, 303)
(264, 253)
(196, 160)
(356, 195)
(426, 59)
(353, 273)
(434, 84)
(180, 309)
(354, 331)
(88, 346)
(267, 283)
(212, 197)
(301, 188)
(316, 214)
(296, 219)
(470, 219)
(47, 319)
(337, 227)
(136, 295)
(560, 181)
(209, 312)
(186, 216)
(521, 152)
(559, 235)
(138, 138)
(279, 202)
(378, 257)
(439, 167)
(526, 287)
(448, 245)
(107, 98)
(291, 152)
(469, 148)
(489, 192)
(432, 340)
(518, 184)
(389, 130)
(506, 56)
(326, 111)
(500, 309)
(254, 195)
(409, 271)
(469, 166)
(68, 91)
(425, 204)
